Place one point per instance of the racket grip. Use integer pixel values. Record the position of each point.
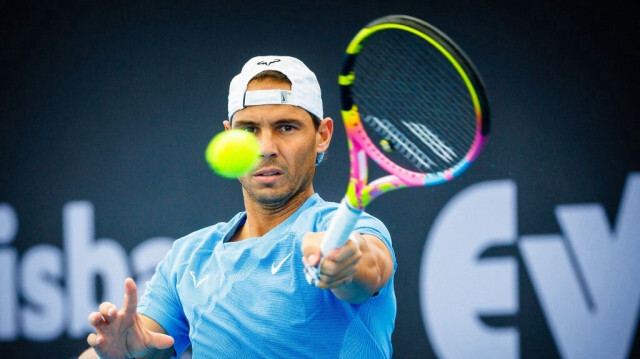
(343, 222)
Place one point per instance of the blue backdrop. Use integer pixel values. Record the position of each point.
(106, 109)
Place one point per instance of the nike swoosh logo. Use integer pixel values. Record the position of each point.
(274, 268)
(197, 284)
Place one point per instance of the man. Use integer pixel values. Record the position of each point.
(238, 289)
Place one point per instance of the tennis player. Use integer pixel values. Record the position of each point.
(238, 289)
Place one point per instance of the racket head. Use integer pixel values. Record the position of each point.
(413, 102)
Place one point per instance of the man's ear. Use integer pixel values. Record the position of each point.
(227, 125)
(324, 133)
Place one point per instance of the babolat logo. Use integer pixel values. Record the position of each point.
(268, 63)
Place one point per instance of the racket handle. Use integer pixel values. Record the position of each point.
(343, 222)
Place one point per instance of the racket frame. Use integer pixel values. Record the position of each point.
(359, 192)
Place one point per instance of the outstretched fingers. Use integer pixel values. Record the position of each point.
(121, 333)
(130, 297)
(108, 311)
(92, 339)
(97, 321)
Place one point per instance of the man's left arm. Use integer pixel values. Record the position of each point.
(353, 272)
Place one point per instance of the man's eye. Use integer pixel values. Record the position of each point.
(249, 129)
(287, 128)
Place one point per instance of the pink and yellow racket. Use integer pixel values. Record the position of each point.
(412, 102)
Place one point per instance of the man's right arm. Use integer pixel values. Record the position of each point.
(125, 333)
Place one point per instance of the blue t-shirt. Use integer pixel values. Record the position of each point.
(250, 298)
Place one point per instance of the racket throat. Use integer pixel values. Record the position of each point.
(358, 179)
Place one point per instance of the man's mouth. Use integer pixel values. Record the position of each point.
(268, 175)
(265, 172)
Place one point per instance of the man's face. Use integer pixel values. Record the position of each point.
(288, 142)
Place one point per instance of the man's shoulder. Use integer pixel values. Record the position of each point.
(326, 209)
(205, 237)
(315, 203)
(315, 210)
(321, 212)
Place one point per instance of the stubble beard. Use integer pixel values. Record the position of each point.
(276, 198)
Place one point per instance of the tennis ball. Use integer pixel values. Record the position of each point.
(233, 153)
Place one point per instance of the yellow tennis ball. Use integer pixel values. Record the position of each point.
(233, 153)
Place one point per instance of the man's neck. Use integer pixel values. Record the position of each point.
(261, 218)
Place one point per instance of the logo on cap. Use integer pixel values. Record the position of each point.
(268, 63)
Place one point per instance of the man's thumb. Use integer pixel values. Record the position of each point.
(161, 341)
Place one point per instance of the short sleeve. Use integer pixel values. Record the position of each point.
(161, 303)
(367, 224)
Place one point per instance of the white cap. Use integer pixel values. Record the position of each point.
(305, 90)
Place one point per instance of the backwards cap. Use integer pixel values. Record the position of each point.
(304, 93)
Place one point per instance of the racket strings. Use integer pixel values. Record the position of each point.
(444, 94)
(418, 99)
(440, 104)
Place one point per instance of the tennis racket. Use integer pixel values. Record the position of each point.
(412, 102)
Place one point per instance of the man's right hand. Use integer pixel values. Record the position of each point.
(123, 334)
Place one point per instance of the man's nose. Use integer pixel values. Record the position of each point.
(268, 144)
